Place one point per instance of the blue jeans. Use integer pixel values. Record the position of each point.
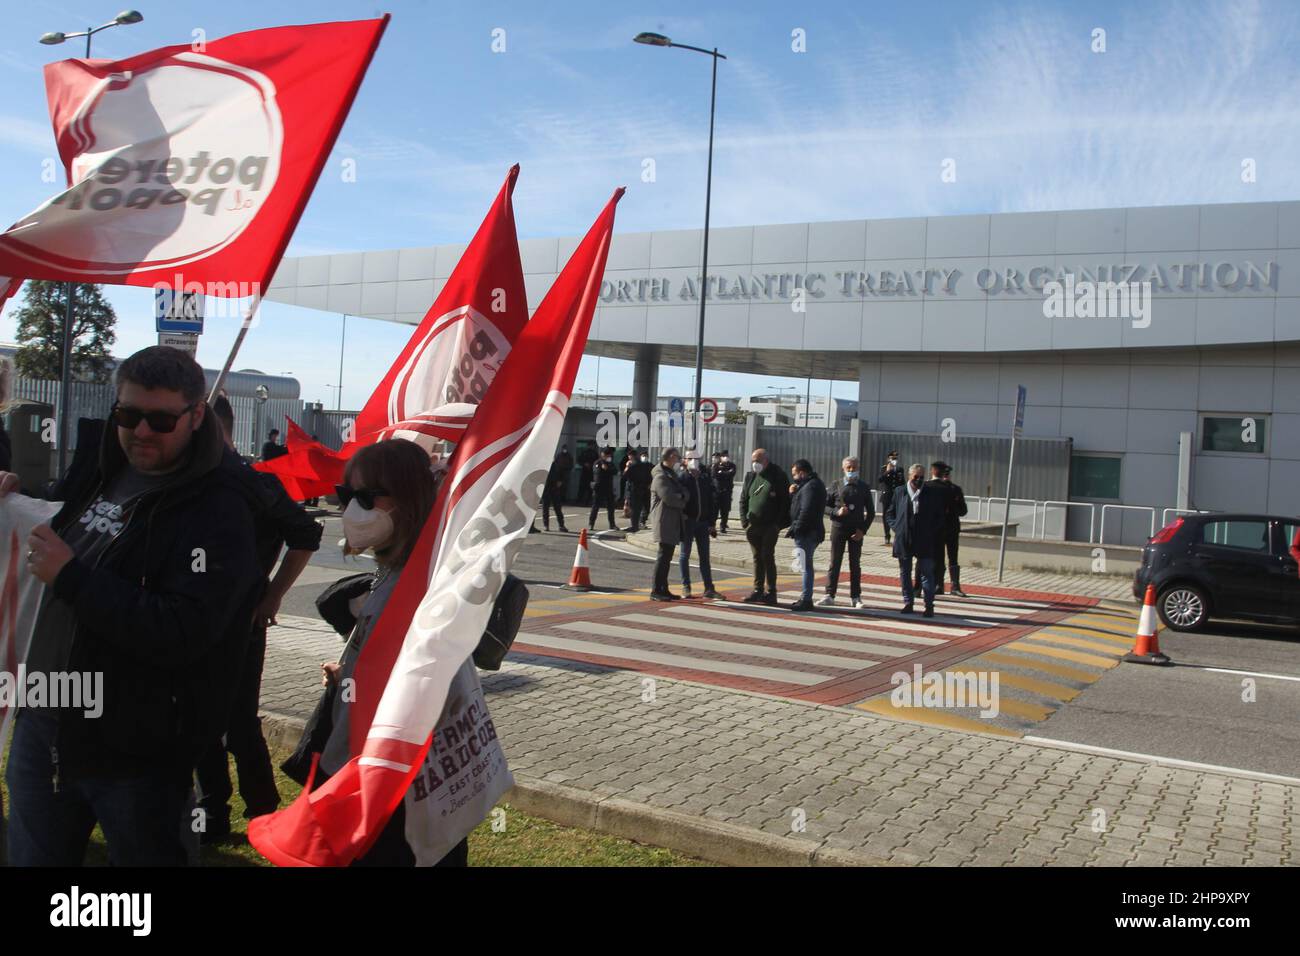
(696, 532)
(925, 571)
(809, 545)
(141, 817)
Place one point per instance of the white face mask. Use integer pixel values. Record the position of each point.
(692, 464)
(724, 459)
(366, 529)
(850, 475)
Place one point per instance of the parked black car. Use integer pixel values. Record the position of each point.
(1222, 565)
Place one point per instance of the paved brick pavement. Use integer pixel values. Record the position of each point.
(843, 778)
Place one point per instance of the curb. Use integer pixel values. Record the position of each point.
(713, 841)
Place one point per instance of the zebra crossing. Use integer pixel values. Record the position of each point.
(836, 655)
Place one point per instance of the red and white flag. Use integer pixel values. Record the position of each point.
(443, 599)
(189, 166)
(434, 386)
(444, 371)
(308, 469)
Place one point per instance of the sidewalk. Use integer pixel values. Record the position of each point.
(736, 777)
(731, 550)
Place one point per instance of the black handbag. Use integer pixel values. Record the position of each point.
(297, 766)
(332, 603)
(503, 625)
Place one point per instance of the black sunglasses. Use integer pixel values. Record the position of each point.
(365, 496)
(160, 422)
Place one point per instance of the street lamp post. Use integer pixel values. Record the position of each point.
(658, 39)
(125, 18)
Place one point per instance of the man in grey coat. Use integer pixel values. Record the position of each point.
(668, 501)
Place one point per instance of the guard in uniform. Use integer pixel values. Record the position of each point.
(891, 478)
(724, 478)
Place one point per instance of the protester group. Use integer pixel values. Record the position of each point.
(685, 503)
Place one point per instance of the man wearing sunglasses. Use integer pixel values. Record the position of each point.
(152, 579)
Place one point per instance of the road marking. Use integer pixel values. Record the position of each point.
(1027, 663)
(1023, 709)
(1051, 638)
(672, 660)
(1077, 657)
(1167, 761)
(721, 647)
(895, 590)
(932, 717)
(941, 607)
(1044, 688)
(748, 617)
(1224, 670)
(1098, 633)
(713, 627)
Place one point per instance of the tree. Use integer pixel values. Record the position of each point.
(736, 417)
(40, 332)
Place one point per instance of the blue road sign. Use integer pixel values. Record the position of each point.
(173, 313)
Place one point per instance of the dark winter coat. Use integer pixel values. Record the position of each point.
(807, 507)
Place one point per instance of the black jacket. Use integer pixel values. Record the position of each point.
(602, 477)
(807, 505)
(856, 496)
(724, 476)
(889, 482)
(956, 509)
(278, 520)
(919, 535)
(640, 474)
(701, 497)
(163, 615)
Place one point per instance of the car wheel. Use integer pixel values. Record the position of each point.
(1182, 607)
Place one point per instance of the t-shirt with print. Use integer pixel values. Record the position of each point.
(88, 536)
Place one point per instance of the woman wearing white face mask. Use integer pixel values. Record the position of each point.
(388, 493)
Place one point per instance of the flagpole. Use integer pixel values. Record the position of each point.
(234, 349)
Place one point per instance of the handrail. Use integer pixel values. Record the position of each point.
(1164, 515)
(1092, 515)
(1033, 523)
(1150, 508)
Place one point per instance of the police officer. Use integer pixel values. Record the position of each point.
(724, 477)
(556, 478)
(951, 532)
(891, 478)
(848, 505)
(602, 489)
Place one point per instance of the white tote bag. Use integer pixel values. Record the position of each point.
(463, 775)
(20, 591)
(797, 562)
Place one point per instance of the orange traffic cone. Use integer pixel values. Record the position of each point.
(580, 578)
(1146, 650)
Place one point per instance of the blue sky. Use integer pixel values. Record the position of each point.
(855, 127)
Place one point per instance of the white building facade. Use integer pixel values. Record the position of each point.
(939, 320)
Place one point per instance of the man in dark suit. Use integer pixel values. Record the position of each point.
(920, 510)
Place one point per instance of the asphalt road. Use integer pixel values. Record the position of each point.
(1193, 710)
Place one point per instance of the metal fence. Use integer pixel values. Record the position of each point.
(253, 419)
